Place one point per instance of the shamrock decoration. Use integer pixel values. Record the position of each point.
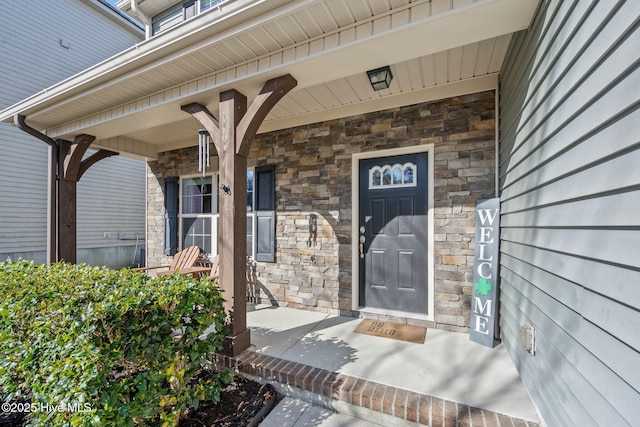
(483, 287)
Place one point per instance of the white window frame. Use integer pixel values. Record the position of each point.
(214, 216)
(391, 169)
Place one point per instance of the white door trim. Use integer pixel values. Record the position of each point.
(355, 219)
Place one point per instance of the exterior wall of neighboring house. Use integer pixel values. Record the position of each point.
(570, 197)
(42, 43)
(313, 169)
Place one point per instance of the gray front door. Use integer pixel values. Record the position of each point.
(393, 233)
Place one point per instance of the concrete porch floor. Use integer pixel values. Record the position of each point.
(446, 368)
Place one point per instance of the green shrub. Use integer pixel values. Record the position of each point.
(106, 342)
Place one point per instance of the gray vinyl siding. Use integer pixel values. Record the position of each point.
(111, 202)
(31, 55)
(23, 193)
(570, 202)
(111, 198)
(32, 59)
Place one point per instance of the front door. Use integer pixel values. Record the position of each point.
(393, 233)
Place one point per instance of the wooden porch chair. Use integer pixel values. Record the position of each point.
(215, 271)
(182, 261)
(251, 277)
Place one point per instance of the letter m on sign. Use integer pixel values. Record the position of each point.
(485, 309)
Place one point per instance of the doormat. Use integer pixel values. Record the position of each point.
(396, 331)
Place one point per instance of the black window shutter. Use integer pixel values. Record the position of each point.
(265, 184)
(171, 196)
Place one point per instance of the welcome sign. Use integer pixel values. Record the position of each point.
(485, 272)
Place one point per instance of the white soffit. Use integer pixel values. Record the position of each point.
(326, 45)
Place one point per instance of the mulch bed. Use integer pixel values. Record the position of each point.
(242, 403)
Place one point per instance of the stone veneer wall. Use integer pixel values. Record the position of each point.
(313, 177)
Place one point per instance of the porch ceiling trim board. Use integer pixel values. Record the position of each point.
(447, 90)
(134, 148)
(180, 133)
(348, 50)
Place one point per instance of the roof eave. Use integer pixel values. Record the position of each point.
(132, 61)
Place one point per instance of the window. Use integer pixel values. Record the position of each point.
(250, 190)
(199, 213)
(251, 218)
(208, 4)
(388, 176)
(265, 213)
(192, 206)
(167, 19)
(178, 13)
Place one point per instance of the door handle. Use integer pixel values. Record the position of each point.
(362, 240)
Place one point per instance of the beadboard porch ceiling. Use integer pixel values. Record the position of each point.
(131, 102)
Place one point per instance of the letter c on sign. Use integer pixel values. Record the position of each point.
(480, 270)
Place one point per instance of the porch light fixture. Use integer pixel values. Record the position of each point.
(204, 142)
(380, 78)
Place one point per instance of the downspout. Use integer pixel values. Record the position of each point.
(135, 9)
(52, 225)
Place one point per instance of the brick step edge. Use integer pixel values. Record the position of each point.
(404, 404)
